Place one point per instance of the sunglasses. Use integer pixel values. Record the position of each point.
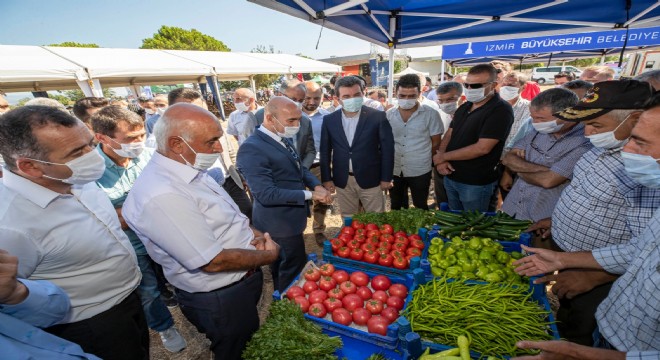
(476, 85)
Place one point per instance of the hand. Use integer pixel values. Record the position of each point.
(564, 350)
(542, 228)
(12, 291)
(386, 185)
(438, 158)
(445, 168)
(122, 222)
(570, 283)
(506, 182)
(272, 246)
(541, 262)
(330, 186)
(518, 152)
(388, 106)
(259, 240)
(322, 195)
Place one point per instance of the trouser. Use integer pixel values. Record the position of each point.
(350, 197)
(439, 188)
(468, 197)
(319, 209)
(291, 261)
(239, 196)
(419, 190)
(227, 316)
(157, 315)
(119, 333)
(576, 317)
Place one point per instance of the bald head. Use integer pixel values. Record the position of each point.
(193, 123)
(4, 105)
(245, 96)
(313, 97)
(280, 112)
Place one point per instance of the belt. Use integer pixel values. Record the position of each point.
(350, 174)
(245, 277)
(315, 165)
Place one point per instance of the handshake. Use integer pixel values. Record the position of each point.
(322, 195)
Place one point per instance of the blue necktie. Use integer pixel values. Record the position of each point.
(293, 152)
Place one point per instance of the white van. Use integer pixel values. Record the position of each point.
(546, 75)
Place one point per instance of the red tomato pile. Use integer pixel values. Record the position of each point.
(380, 246)
(350, 298)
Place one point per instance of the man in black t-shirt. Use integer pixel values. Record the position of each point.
(471, 149)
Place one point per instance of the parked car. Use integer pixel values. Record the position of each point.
(546, 75)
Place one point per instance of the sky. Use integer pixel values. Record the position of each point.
(123, 24)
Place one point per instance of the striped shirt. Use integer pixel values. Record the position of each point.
(618, 207)
(531, 202)
(629, 318)
(520, 114)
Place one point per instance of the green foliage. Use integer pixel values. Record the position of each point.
(22, 102)
(75, 44)
(176, 38)
(163, 89)
(77, 94)
(398, 66)
(62, 99)
(233, 85)
(265, 80)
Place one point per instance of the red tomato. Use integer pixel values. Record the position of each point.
(364, 292)
(382, 251)
(370, 256)
(348, 287)
(380, 295)
(343, 252)
(352, 302)
(302, 302)
(327, 283)
(400, 263)
(385, 260)
(388, 238)
(294, 292)
(373, 233)
(390, 314)
(371, 227)
(340, 276)
(361, 316)
(336, 244)
(413, 251)
(401, 240)
(317, 296)
(359, 278)
(414, 237)
(361, 231)
(419, 244)
(385, 245)
(353, 244)
(361, 238)
(348, 230)
(356, 224)
(345, 237)
(317, 310)
(332, 303)
(342, 316)
(397, 253)
(398, 290)
(400, 233)
(380, 282)
(327, 269)
(310, 286)
(373, 240)
(368, 246)
(395, 302)
(377, 325)
(374, 306)
(357, 254)
(313, 274)
(386, 229)
(336, 293)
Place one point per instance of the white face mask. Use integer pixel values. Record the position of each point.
(407, 104)
(644, 169)
(289, 131)
(547, 127)
(130, 150)
(149, 111)
(353, 105)
(161, 110)
(448, 108)
(475, 95)
(298, 105)
(242, 107)
(508, 92)
(607, 140)
(202, 161)
(84, 169)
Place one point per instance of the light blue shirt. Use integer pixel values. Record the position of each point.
(317, 124)
(20, 338)
(151, 123)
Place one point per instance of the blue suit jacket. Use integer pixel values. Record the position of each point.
(372, 151)
(276, 183)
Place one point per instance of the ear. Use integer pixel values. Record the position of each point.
(100, 138)
(30, 168)
(634, 118)
(175, 144)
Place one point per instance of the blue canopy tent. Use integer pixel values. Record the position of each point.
(415, 23)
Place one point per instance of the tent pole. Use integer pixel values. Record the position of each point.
(253, 84)
(442, 71)
(520, 66)
(390, 77)
(602, 59)
(549, 60)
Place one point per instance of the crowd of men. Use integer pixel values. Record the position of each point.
(104, 212)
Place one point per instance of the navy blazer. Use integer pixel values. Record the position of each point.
(372, 151)
(276, 183)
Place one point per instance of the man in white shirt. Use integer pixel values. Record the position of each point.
(242, 121)
(448, 94)
(64, 229)
(191, 226)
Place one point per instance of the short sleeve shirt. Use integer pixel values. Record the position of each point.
(241, 124)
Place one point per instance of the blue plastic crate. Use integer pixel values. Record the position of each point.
(365, 266)
(356, 349)
(391, 340)
(538, 294)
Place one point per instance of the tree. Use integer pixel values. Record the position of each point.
(75, 44)
(77, 94)
(176, 38)
(265, 80)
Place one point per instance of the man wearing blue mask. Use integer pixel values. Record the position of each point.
(619, 207)
(544, 159)
(357, 151)
(629, 318)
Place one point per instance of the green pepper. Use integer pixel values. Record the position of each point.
(453, 271)
(437, 271)
(435, 258)
(462, 255)
(451, 259)
(448, 249)
(469, 266)
(475, 244)
(443, 264)
(516, 255)
(486, 256)
(494, 267)
(472, 254)
(492, 277)
(502, 257)
(436, 241)
(482, 271)
(434, 248)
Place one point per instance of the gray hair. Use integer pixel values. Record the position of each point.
(42, 101)
(288, 84)
(520, 77)
(448, 86)
(165, 125)
(652, 77)
(557, 99)
(622, 114)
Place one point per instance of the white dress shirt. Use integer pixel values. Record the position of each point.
(242, 124)
(73, 240)
(350, 125)
(185, 219)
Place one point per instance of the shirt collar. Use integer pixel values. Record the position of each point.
(183, 171)
(30, 190)
(109, 164)
(271, 134)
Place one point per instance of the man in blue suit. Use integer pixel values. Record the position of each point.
(277, 179)
(357, 151)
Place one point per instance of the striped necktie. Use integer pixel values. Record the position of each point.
(288, 146)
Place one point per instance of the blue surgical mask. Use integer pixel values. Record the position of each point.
(644, 169)
(353, 105)
(607, 140)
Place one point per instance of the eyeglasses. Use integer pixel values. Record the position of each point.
(476, 85)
